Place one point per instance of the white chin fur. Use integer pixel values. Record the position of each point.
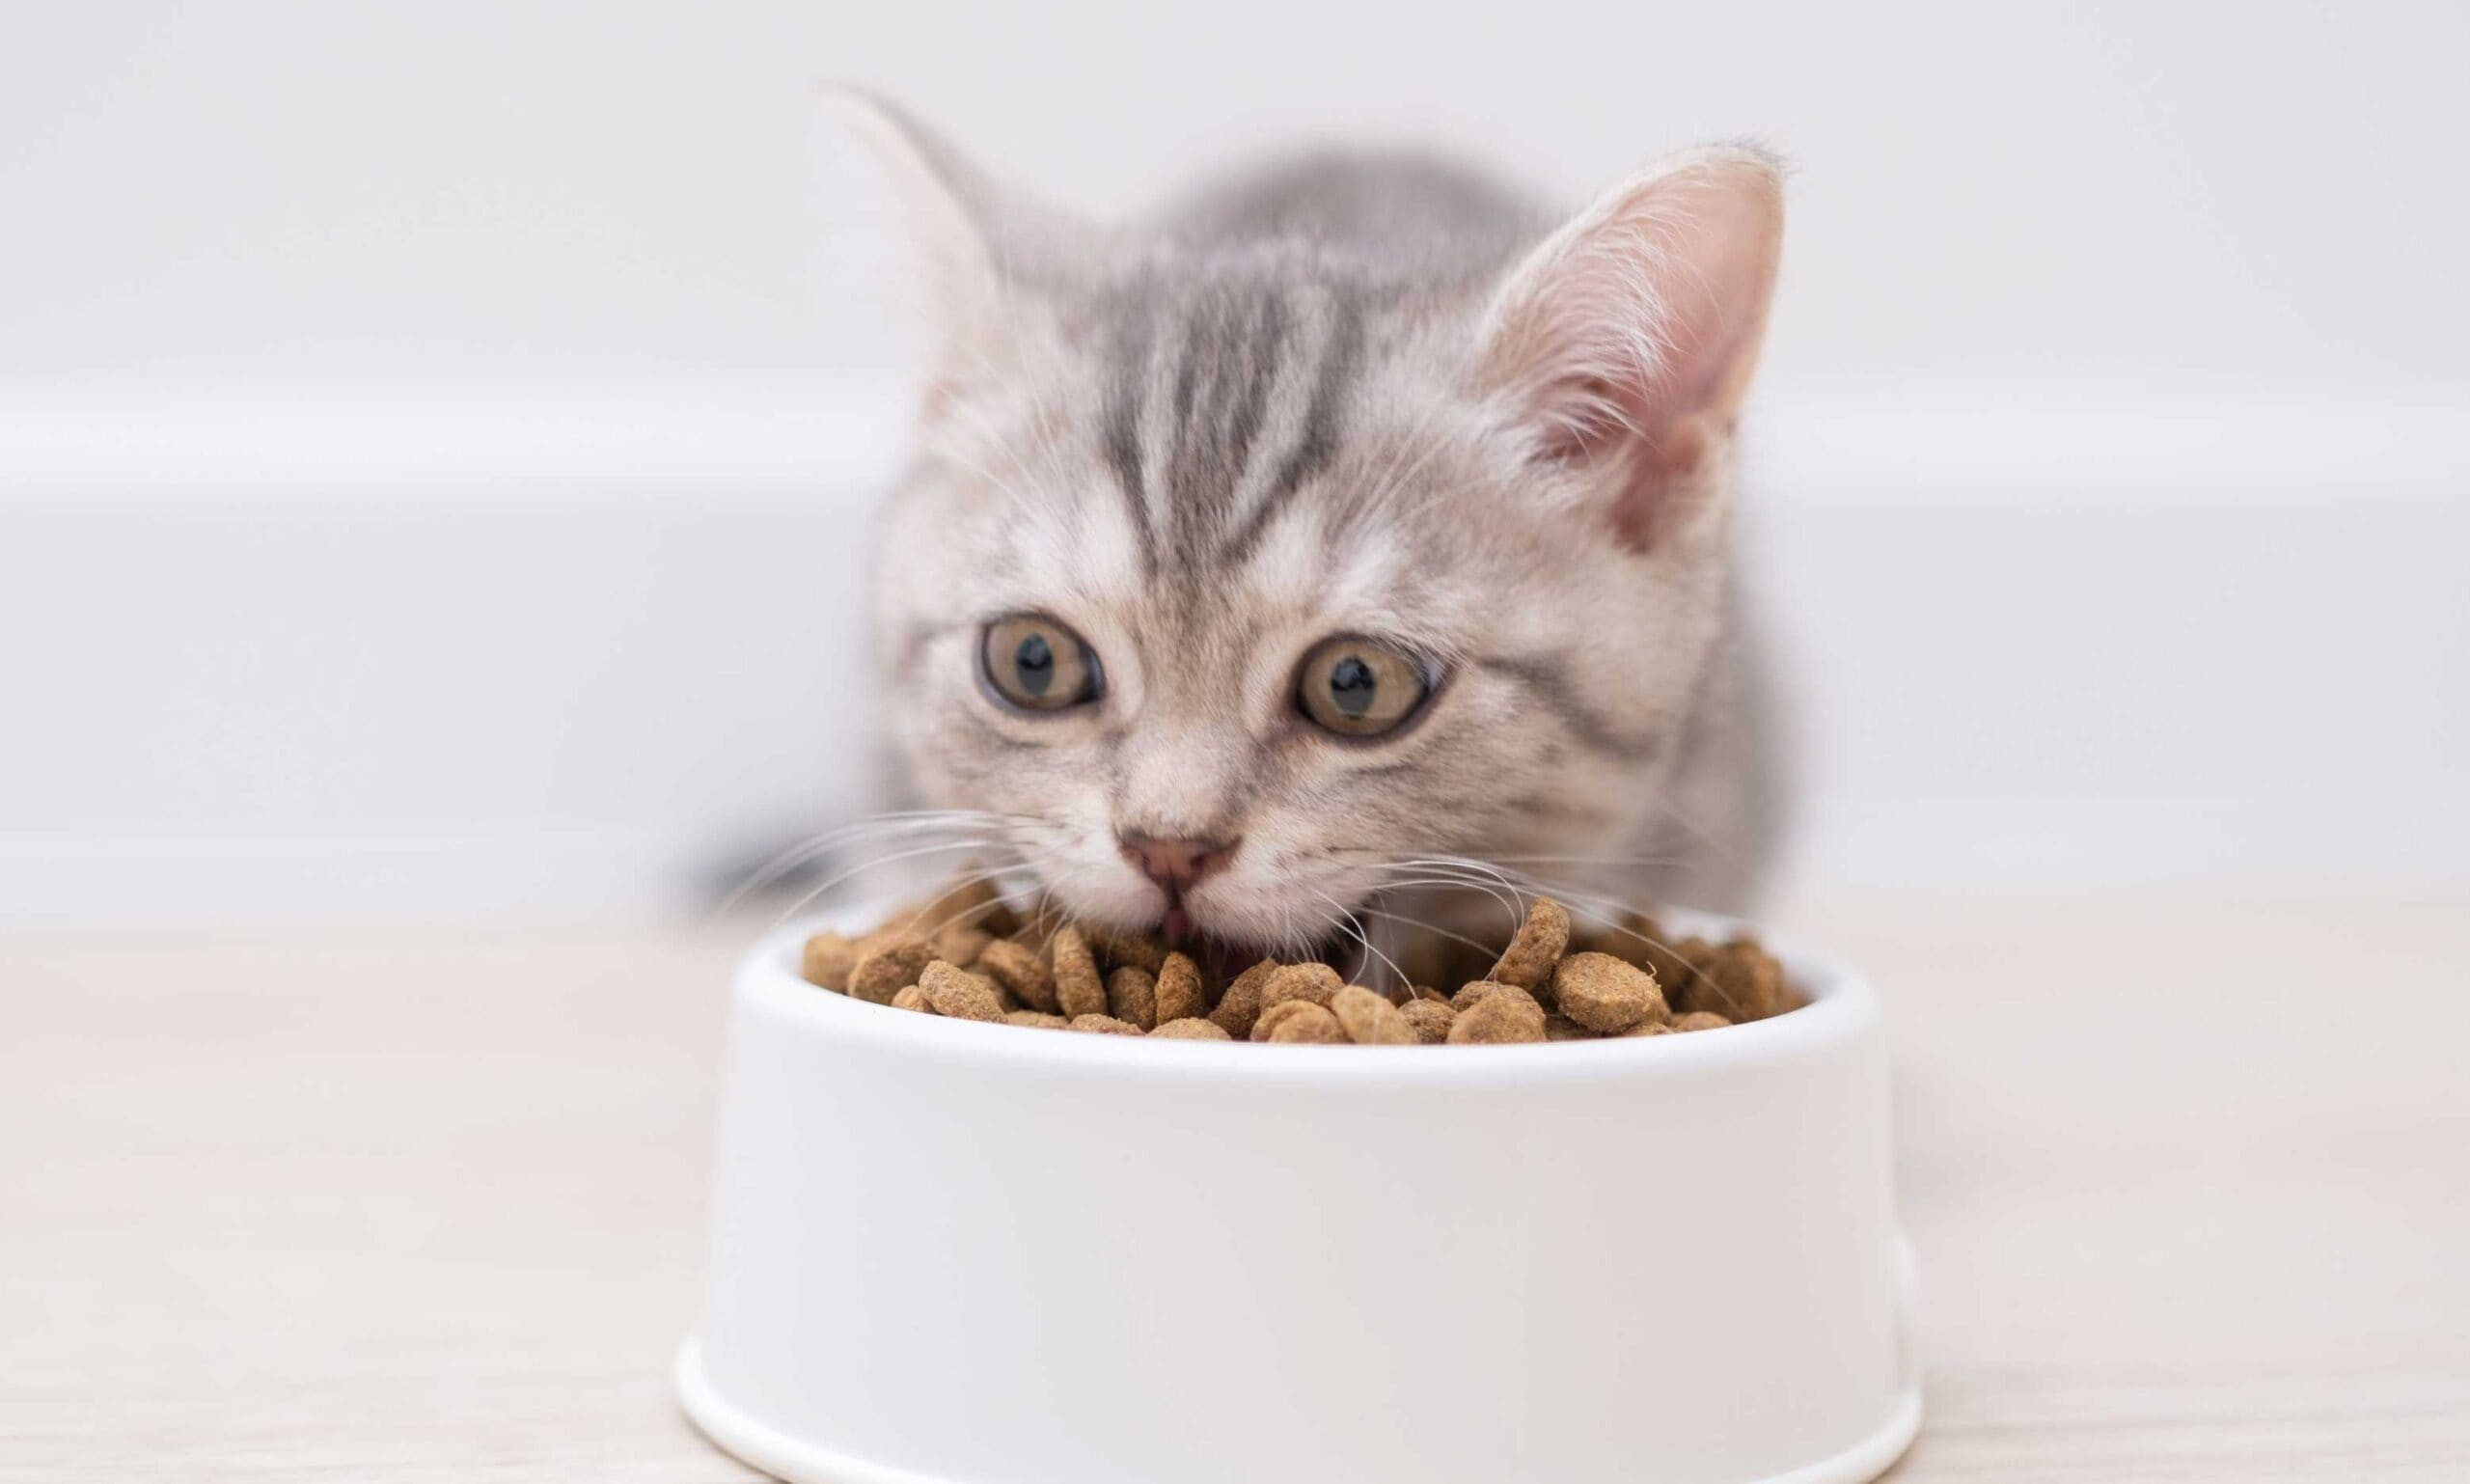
(1255, 914)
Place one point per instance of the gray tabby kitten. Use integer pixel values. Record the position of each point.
(1354, 515)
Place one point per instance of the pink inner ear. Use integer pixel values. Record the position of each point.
(1664, 477)
(1631, 333)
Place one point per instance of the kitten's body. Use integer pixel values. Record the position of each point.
(1348, 394)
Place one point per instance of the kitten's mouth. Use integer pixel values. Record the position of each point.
(1223, 958)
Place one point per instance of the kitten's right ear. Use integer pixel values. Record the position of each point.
(1626, 341)
(956, 220)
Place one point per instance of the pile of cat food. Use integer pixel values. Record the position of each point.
(967, 955)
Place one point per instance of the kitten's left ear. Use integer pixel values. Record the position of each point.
(974, 239)
(1626, 341)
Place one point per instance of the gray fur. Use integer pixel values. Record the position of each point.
(1208, 442)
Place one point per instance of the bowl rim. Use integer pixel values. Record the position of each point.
(1842, 1007)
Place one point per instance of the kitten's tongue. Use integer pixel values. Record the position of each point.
(1177, 925)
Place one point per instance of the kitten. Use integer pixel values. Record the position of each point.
(1354, 514)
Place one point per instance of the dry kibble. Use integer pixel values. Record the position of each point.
(1274, 1016)
(1604, 994)
(1502, 1015)
(1314, 983)
(1077, 989)
(1470, 992)
(1649, 945)
(1736, 981)
(960, 994)
(1179, 991)
(1558, 980)
(1300, 1022)
(960, 946)
(826, 961)
(1241, 1005)
(1430, 1019)
(1528, 961)
(1017, 969)
(1132, 996)
(966, 903)
(1369, 1020)
(1189, 1027)
(882, 971)
(1120, 948)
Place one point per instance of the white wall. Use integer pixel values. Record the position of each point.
(619, 190)
(432, 437)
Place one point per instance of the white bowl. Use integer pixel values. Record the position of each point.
(946, 1252)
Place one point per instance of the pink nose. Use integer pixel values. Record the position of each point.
(1177, 866)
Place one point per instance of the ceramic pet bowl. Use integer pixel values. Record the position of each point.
(946, 1252)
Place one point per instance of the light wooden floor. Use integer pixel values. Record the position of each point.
(2191, 1189)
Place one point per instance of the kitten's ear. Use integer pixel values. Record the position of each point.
(1627, 339)
(956, 220)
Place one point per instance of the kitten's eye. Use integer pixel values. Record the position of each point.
(1361, 687)
(1037, 664)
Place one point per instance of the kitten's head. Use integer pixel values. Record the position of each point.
(1241, 567)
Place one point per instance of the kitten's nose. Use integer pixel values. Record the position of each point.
(1177, 866)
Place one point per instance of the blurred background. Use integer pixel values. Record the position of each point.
(436, 442)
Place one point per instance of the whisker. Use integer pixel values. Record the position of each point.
(862, 866)
(916, 821)
(1434, 928)
(1346, 922)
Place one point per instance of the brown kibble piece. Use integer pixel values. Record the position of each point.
(1700, 1019)
(1190, 1028)
(1312, 982)
(1131, 994)
(1653, 1028)
(1738, 981)
(960, 994)
(1560, 1027)
(883, 970)
(1121, 946)
(1430, 1019)
(1470, 992)
(1650, 947)
(960, 946)
(1603, 993)
(1369, 1020)
(826, 961)
(909, 997)
(1241, 1005)
(1271, 1018)
(1528, 961)
(1017, 969)
(1298, 1021)
(1180, 993)
(1077, 989)
(1502, 1015)
(1037, 1020)
(1103, 1025)
(973, 904)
